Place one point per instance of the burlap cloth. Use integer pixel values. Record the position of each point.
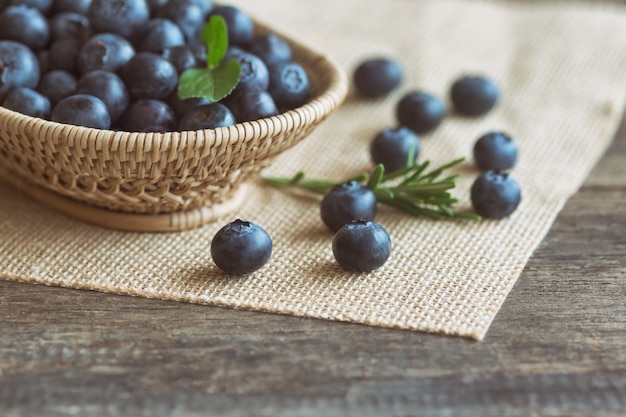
(562, 69)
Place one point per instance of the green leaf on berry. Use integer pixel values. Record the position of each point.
(219, 78)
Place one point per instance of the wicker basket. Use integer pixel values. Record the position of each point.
(158, 181)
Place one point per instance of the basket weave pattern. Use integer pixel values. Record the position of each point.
(154, 173)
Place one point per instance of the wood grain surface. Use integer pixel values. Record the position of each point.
(557, 347)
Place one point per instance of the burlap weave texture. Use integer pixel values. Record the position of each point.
(561, 68)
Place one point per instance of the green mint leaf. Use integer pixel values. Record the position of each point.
(214, 36)
(225, 78)
(211, 84)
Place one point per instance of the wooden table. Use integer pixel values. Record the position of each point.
(557, 347)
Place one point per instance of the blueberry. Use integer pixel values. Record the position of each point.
(109, 88)
(377, 77)
(496, 151)
(82, 110)
(70, 25)
(393, 146)
(254, 72)
(158, 35)
(63, 54)
(19, 67)
(270, 48)
(187, 14)
(420, 111)
(44, 6)
(474, 95)
(28, 102)
(240, 26)
(57, 84)
(346, 202)
(182, 57)
(495, 194)
(105, 51)
(142, 114)
(208, 116)
(148, 75)
(252, 103)
(361, 246)
(75, 6)
(241, 247)
(122, 17)
(181, 107)
(289, 84)
(25, 24)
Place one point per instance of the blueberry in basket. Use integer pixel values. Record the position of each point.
(420, 111)
(19, 67)
(28, 101)
(361, 246)
(495, 151)
(188, 54)
(241, 247)
(346, 202)
(377, 77)
(474, 95)
(495, 194)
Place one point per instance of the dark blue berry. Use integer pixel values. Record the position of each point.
(495, 194)
(19, 67)
(496, 151)
(253, 103)
(182, 57)
(241, 247)
(28, 102)
(420, 111)
(158, 35)
(474, 95)
(187, 14)
(82, 110)
(289, 84)
(208, 116)
(144, 113)
(63, 54)
(43, 6)
(270, 48)
(148, 75)
(361, 246)
(254, 72)
(123, 17)
(377, 77)
(393, 147)
(346, 202)
(109, 88)
(70, 25)
(25, 24)
(75, 6)
(105, 51)
(57, 84)
(240, 26)
(181, 107)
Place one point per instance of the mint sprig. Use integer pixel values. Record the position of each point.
(413, 189)
(220, 77)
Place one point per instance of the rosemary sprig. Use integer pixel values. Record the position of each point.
(412, 189)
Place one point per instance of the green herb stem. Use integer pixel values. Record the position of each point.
(420, 193)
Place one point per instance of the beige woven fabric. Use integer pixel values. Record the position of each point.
(561, 67)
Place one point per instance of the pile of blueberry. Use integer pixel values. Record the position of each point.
(115, 64)
(349, 208)
(494, 194)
